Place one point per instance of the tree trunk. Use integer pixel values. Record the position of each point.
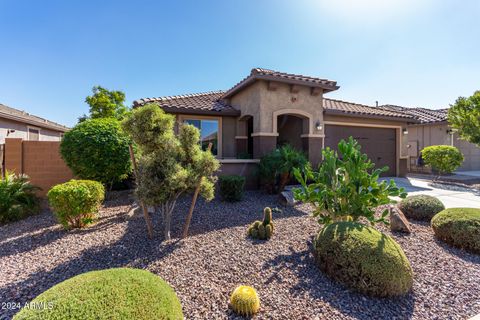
(146, 216)
(284, 178)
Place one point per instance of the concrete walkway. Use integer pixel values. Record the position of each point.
(451, 196)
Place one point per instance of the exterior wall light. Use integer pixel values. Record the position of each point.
(319, 126)
(405, 131)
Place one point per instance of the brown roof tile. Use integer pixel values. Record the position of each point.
(22, 116)
(339, 106)
(266, 74)
(206, 102)
(422, 114)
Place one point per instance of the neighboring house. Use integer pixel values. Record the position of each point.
(15, 123)
(433, 129)
(270, 108)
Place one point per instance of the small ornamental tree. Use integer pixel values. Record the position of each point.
(346, 186)
(170, 165)
(464, 115)
(444, 159)
(97, 149)
(105, 104)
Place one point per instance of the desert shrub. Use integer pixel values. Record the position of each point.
(97, 149)
(276, 168)
(231, 187)
(444, 159)
(76, 203)
(346, 186)
(17, 198)
(244, 301)
(111, 294)
(421, 207)
(364, 259)
(459, 227)
(262, 229)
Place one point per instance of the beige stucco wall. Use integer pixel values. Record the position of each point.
(265, 105)
(21, 131)
(423, 136)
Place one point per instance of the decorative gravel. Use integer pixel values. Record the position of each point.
(36, 253)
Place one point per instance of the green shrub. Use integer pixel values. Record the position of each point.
(231, 187)
(76, 203)
(346, 186)
(262, 230)
(276, 168)
(17, 198)
(421, 207)
(444, 159)
(97, 149)
(111, 294)
(459, 227)
(364, 259)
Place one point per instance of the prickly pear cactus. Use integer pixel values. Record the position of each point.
(244, 301)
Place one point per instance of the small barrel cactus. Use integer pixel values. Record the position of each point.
(262, 229)
(244, 301)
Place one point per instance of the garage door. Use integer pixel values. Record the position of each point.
(378, 143)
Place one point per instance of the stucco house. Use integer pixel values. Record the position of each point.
(15, 123)
(268, 108)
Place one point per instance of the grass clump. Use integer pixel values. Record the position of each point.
(459, 227)
(364, 259)
(111, 294)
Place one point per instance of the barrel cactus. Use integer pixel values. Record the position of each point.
(244, 301)
(262, 229)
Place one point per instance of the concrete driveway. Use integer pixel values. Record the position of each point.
(451, 196)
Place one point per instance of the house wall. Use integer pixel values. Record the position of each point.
(21, 131)
(422, 136)
(40, 160)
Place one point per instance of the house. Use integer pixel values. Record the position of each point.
(433, 129)
(15, 123)
(269, 108)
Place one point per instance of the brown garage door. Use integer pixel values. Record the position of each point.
(378, 143)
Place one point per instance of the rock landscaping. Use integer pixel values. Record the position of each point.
(218, 256)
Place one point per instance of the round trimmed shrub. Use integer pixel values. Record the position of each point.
(421, 207)
(459, 227)
(111, 294)
(231, 187)
(364, 259)
(97, 149)
(76, 203)
(444, 159)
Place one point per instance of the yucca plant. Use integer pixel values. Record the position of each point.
(17, 197)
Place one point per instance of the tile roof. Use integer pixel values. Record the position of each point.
(266, 74)
(339, 106)
(206, 102)
(422, 114)
(22, 116)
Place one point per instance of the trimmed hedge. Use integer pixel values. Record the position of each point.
(111, 294)
(459, 227)
(76, 203)
(364, 259)
(97, 149)
(444, 159)
(231, 187)
(421, 207)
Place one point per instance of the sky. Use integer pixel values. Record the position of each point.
(423, 53)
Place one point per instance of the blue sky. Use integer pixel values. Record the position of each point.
(406, 52)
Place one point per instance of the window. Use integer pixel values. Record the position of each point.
(209, 132)
(33, 134)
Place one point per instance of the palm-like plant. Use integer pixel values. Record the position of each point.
(291, 159)
(17, 197)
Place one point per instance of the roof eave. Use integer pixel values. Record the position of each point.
(230, 113)
(34, 123)
(372, 116)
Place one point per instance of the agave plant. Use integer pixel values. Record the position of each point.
(17, 197)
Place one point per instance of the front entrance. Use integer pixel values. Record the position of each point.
(378, 143)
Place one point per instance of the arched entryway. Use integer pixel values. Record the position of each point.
(291, 126)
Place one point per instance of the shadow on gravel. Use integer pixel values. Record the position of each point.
(462, 254)
(317, 286)
(217, 214)
(133, 249)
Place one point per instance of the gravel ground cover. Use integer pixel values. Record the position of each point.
(36, 253)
